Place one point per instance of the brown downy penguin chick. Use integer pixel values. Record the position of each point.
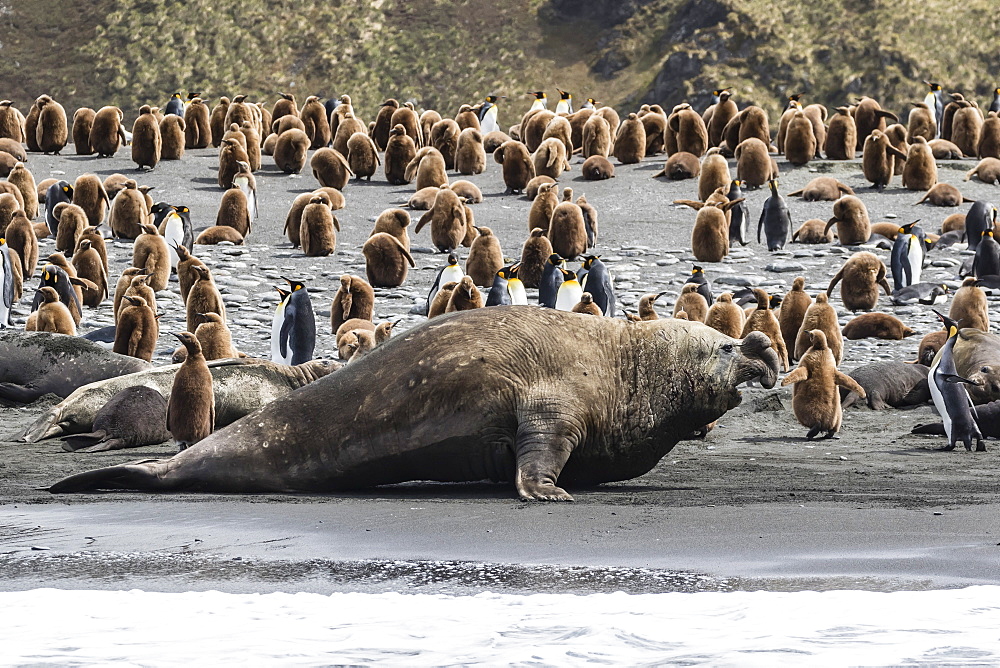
(137, 330)
(316, 231)
(215, 338)
(929, 345)
(517, 166)
(146, 140)
(444, 137)
(681, 315)
(91, 196)
(869, 116)
(83, 124)
(545, 202)
(800, 141)
(52, 131)
(817, 114)
(231, 152)
(197, 128)
(595, 168)
(692, 303)
(122, 288)
(89, 265)
(399, 152)
(284, 106)
(792, 312)
(191, 405)
(128, 212)
(291, 150)
(725, 316)
(762, 320)
(966, 128)
(567, 229)
(945, 150)
(113, 184)
(955, 221)
(293, 221)
(534, 253)
(862, 275)
(587, 306)
(252, 139)
(393, 222)
(533, 126)
(217, 121)
(969, 307)
(470, 156)
(439, 304)
(823, 188)
(20, 177)
(654, 124)
(218, 234)
(725, 110)
(22, 240)
(465, 296)
(355, 298)
(549, 159)
(875, 325)
(466, 118)
(172, 137)
(8, 205)
(851, 218)
(331, 168)
(427, 168)
(386, 260)
(815, 398)
(646, 308)
(468, 191)
(753, 163)
(989, 138)
(138, 286)
(313, 116)
(150, 253)
(355, 344)
(589, 220)
(679, 166)
(352, 325)
(147, 198)
(944, 194)
(494, 140)
(630, 141)
(485, 258)
(596, 137)
(234, 211)
(204, 297)
(897, 139)
(362, 156)
(820, 315)
(54, 316)
(842, 136)
(186, 275)
(11, 122)
(286, 123)
(72, 223)
(710, 234)
(448, 220)
(409, 119)
(383, 125)
(987, 171)
(877, 159)
(920, 170)
(714, 174)
(920, 123)
(423, 199)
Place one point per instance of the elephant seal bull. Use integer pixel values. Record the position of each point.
(241, 386)
(510, 393)
(977, 357)
(33, 364)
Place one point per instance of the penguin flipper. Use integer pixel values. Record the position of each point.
(798, 375)
(954, 378)
(286, 328)
(845, 381)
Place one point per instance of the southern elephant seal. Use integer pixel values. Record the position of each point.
(241, 387)
(134, 417)
(889, 385)
(977, 357)
(518, 406)
(36, 363)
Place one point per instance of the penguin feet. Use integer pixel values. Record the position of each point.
(980, 446)
(811, 434)
(832, 435)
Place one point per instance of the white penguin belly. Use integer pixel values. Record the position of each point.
(916, 259)
(173, 232)
(568, 296)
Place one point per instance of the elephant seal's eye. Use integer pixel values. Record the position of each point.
(728, 347)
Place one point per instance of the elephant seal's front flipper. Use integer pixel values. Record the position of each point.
(543, 447)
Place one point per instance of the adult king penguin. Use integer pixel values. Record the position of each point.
(935, 102)
(541, 100)
(450, 273)
(293, 331)
(6, 285)
(569, 292)
(598, 283)
(907, 258)
(174, 224)
(507, 288)
(552, 278)
(775, 219)
(174, 106)
(565, 104)
(951, 399)
(488, 114)
(739, 216)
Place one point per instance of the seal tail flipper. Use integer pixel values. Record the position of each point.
(45, 426)
(80, 441)
(139, 476)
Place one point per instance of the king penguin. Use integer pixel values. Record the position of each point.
(739, 216)
(597, 281)
(982, 216)
(450, 273)
(541, 100)
(174, 106)
(935, 102)
(591, 103)
(552, 278)
(951, 399)
(565, 104)
(907, 258)
(698, 278)
(499, 294)
(488, 115)
(58, 192)
(987, 259)
(569, 292)
(775, 219)
(995, 104)
(174, 223)
(6, 285)
(293, 330)
(245, 181)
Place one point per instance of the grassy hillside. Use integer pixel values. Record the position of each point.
(441, 53)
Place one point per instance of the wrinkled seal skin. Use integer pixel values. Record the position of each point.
(36, 363)
(519, 406)
(977, 357)
(240, 386)
(889, 385)
(134, 417)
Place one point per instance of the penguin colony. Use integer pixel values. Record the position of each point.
(110, 252)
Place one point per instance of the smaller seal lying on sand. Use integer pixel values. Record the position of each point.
(889, 385)
(134, 417)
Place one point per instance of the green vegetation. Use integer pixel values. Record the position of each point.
(441, 53)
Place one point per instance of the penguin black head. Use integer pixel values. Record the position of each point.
(452, 259)
(282, 293)
(568, 275)
(192, 96)
(695, 270)
(592, 101)
(507, 272)
(492, 99)
(950, 325)
(159, 207)
(589, 260)
(908, 228)
(987, 233)
(795, 98)
(564, 95)
(514, 268)
(294, 285)
(555, 259)
(539, 94)
(933, 86)
(182, 209)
